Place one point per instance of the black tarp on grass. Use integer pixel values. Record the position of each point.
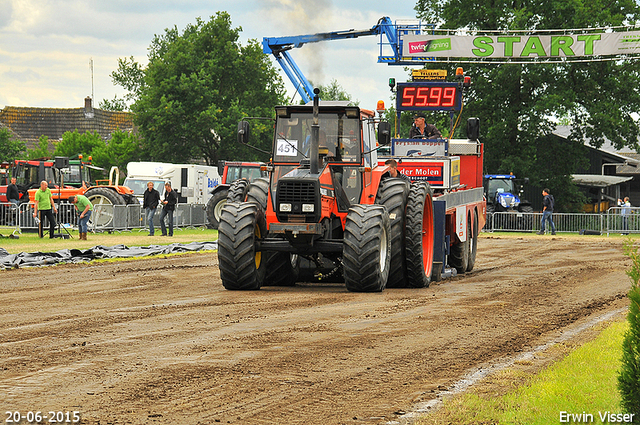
(23, 259)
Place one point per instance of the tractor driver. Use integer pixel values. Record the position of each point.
(421, 130)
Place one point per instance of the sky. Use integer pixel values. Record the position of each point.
(46, 46)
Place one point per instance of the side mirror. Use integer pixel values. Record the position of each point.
(473, 128)
(384, 133)
(243, 132)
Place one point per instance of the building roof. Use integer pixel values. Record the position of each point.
(29, 124)
(595, 180)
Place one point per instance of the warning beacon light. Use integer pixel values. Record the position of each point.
(380, 107)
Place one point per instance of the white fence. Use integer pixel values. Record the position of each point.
(103, 218)
(615, 220)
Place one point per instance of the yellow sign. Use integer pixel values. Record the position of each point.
(428, 74)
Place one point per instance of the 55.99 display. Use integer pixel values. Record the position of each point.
(428, 96)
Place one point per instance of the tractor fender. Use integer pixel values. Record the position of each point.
(220, 187)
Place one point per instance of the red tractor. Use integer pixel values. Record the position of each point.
(328, 202)
(236, 176)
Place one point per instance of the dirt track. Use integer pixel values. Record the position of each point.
(160, 341)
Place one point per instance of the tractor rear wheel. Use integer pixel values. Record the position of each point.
(258, 192)
(419, 235)
(459, 258)
(103, 200)
(241, 265)
(393, 194)
(367, 248)
(237, 190)
(214, 208)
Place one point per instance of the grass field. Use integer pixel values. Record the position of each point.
(583, 383)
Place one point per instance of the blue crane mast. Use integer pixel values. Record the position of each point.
(279, 47)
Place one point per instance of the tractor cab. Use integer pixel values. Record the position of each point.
(346, 136)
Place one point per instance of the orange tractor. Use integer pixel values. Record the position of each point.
(329, 203)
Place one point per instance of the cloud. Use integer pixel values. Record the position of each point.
(6, 12)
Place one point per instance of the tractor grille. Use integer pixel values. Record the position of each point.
(298, 201)
(298, 192)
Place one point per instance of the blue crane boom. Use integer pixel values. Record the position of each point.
(279, 47)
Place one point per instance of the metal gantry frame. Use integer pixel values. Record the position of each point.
(280, 48)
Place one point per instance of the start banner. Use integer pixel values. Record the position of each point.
(523, 46)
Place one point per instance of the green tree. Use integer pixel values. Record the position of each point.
(73, 144)
(334, 91)
(124, 147)
(41, 150)
(116, 104)
(10, 148)
(197, 86)
(518, 103)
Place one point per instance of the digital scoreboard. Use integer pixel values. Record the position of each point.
(429, 96)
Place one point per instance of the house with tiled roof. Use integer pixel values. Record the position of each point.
(29, 124)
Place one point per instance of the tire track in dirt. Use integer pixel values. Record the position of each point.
(161, 341)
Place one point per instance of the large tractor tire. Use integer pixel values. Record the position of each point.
(419, 235)
(459, 253)
(237, 190)
(258, 192)
(283, 269)
(103, 200)
(241, 266)
(367, 248)
(214, 208)
(393, 194)
(473, 248)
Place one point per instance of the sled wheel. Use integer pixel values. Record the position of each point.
(419, 234)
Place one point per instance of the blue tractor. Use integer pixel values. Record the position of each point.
(503, 196)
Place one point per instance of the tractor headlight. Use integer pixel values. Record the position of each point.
(285, 207)
(503, 202)
(307, 208)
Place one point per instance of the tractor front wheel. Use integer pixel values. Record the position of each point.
(242, 267)
(367, 248)
(419, 235)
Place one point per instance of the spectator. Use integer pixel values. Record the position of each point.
(624, 212)
(170, 201)
(13, 196)
(547, 211)
(43, 208)
(393, 170)
(150, 203)
(84, 207)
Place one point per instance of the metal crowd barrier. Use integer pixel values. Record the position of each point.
(104, 217)
(615, 220)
